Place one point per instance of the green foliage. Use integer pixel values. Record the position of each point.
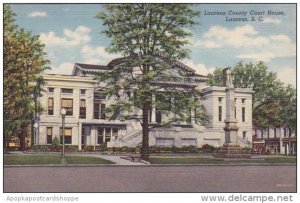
(151, 37)
(274, 104)
(207, 148)
(23, 62)
(55, 142)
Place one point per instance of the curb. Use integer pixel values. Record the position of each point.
(151, 165)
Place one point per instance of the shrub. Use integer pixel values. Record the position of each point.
(55, 142)
(208, 148)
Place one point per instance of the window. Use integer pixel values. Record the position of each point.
(82, 109)
(82, 136)
(68, 105)
(158, 116)
(50, 90)
(82, 91)
(115, 133)
(99, 96)
(102, 111)
(220, 99)
(99, 111)
(66, 91)
(244, 134)
(162, 141)
(68, 135)
(220, 113)
(188, 141)
(100, 135)
(107, 134)
(50, 106)
(49, 135)
(243, 101)
(243, 114)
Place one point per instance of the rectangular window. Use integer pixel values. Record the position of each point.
(220, 113)
(68, 135)
(243, 101)
(100, 135)
(99, 111)
(82, 109)
(50, 89)
(50, 106)
(68, 105)
(243, 114)
(96, 111)
(99, 96)
(220, 99)
(82, 91)
(164, 141)
(49, 135)
(158, 116)
(275, 132)
(244, 134)
(115, 133)
(102, 111)
(66, 91)
(82, 136)
(107, 134)
(188, 141)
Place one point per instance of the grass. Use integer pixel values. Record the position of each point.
(86, 160)
(30, 160)
(41, 160)
(198, 160)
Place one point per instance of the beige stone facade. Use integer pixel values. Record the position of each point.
(86, 123)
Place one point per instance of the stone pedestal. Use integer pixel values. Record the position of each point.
(231, 148)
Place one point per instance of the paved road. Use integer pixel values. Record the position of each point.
(151, 179)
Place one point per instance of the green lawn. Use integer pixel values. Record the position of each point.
(37, 159)
(30, 160)
(86, 160)
(197, 160)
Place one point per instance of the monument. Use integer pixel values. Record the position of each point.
(231, 148)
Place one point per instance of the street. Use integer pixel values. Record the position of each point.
(151, 179)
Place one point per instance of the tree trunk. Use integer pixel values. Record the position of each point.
(145, 141)
(22, 136)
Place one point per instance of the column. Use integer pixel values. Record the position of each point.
(79, 135)
(153, 113)
(95, 138)
(193, 119)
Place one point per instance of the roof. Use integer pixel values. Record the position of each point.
(90, 66)
(99, 68)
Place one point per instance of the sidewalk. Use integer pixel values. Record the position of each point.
(114, 158)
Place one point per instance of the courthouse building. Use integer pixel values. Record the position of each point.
(86, 122)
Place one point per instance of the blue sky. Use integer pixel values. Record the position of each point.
(72, 34)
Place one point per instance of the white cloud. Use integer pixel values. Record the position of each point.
(248, 43)
(278, 47)
(75, 37)
(96, 55)
(243, 36)
(287, 75)
(269, 20)
(200, 68)
(62, 69)
(37, 14)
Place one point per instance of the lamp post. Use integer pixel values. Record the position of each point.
(63, 114)
(35, 126)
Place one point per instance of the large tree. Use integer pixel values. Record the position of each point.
(24, 61)
(273, 102)
(151, 37)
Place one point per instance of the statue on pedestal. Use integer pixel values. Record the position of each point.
(227, 78)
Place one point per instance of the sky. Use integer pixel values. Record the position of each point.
(72, 34)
